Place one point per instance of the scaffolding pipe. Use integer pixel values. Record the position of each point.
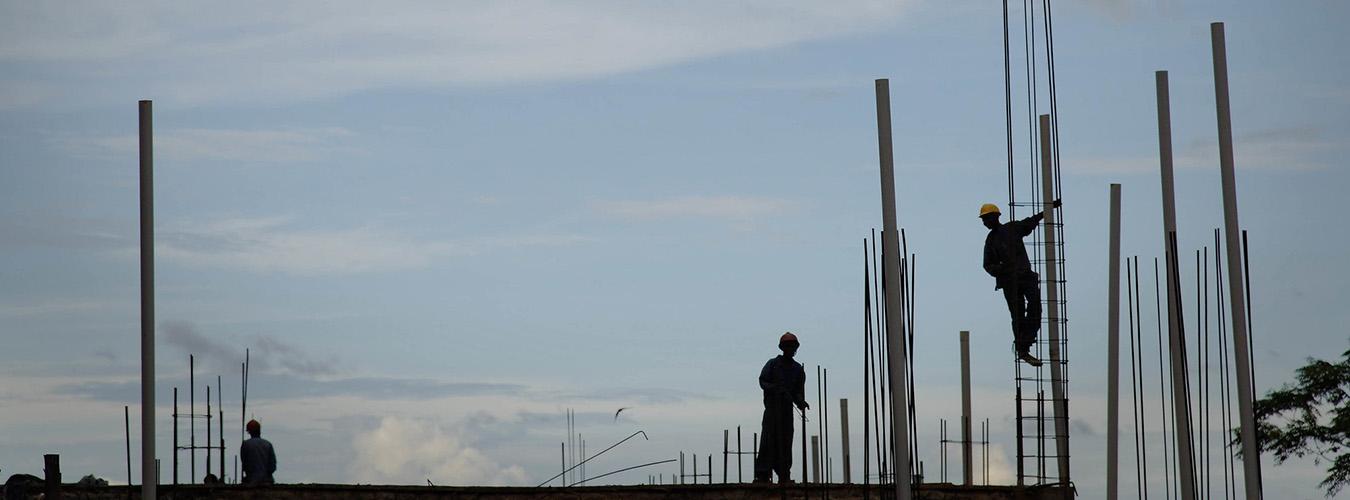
(1251, 463)
(1113, 350)
(1181, 406)
(1061, 408)
(147, 194)
(967, 459)
(894, 319)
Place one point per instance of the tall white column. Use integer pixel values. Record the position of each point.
(148, 472)
(1061, 407)
(1113, 350)
(890, 245)
(1251, 462)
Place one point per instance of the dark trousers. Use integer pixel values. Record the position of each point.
(1024, 304)
(775, 442)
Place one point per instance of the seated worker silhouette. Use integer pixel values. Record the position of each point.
(258, 457)
(1005, 258)
(784, 383)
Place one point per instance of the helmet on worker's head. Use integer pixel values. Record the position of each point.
(989, 208)
(253, 427)
(788, 339)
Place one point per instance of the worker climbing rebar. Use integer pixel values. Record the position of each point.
(784, 383)
(1005, 258)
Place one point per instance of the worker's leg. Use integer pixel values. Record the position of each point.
(768, 447)
(1016, 309)
(783, 467)
(1030, 291)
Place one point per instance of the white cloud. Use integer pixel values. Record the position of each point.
(265, 51)
(736, 208)
(254, 146)
(1280, 149)
(412, 451)
(270, 244)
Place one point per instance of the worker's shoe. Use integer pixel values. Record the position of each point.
(763, 480)
(786, 481)
(1030, 360)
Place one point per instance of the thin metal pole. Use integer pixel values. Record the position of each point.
(1061, 408)
(1251, 463)
(147, 192)
(867, 375)
(740, 478)
(1181, 405)
(208, 428)
(894, 317)
(220, 426)
(825, 432)
(967, 458)
(192, 421)
(726, 441)
(1113, 349)
(175, 436)
(126, 414)
(843, 439)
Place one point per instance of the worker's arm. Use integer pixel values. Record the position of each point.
(1029, 224)
(799, 394)
(992, 264)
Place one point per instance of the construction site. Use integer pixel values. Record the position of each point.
(813, 439)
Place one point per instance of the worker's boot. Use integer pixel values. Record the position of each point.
(1029, 359)
(785, 480)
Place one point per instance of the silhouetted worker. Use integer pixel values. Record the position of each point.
(784, 383)
(257, 455)
(1005, 258)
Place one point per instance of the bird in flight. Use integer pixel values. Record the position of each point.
(616, 413)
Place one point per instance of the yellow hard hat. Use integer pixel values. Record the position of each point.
(989, 208)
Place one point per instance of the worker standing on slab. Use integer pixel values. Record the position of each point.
(1005, 258)
(784, 383)
(258, 458)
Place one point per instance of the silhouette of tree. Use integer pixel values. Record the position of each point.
(1311, 418)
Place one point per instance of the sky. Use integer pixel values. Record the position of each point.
(437, 226)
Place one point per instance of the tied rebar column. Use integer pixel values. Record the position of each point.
(1060, 406)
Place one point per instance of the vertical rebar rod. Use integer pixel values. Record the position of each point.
(208, 428)
(175, 436)
(1181, 399)
(192, 420)
(147, 195)
(1139, 472)
(825, 431)
(967, 460)
(726, 448)
(1162, 381)
(220, 426)
(126, 414)
(1139, 346)
(1113, 348)
(740, 478)
(894, 319)
(1251, 464)
(1061, 408)
(867, 375)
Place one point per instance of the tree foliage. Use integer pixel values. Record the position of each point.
(1311, 418)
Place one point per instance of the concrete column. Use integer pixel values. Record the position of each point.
(1061, 408)
(890, 244)
(1251, 467)
(1113, 349)
(1175, 337)
(147, 148)
(843, 439)
(815, 460)
(967, 459)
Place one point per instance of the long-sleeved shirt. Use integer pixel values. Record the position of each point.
(783, 381)
(259, 460)
(1005, 257)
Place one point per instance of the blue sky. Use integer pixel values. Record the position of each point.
(437, 226)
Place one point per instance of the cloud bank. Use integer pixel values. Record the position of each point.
(266, 52)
